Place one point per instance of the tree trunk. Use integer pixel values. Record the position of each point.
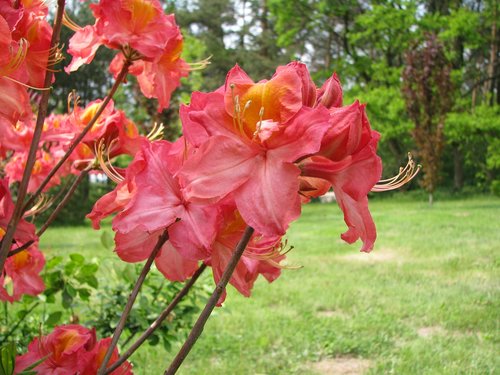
(493, 54)
(458, 163)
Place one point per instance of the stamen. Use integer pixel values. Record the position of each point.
(404, 176)
(199, 65)
(17, 59)
(259, 124)
(277, 250)
(73, 97)
(69, 23)
(42, 204)
(102, 151)
(156, 132)
(28, 86)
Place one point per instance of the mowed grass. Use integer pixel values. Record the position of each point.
(425, 301)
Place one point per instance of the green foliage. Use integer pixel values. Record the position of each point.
(7, 359)
(156, 293)
(476, 132)
(74, 279)
(74, 294)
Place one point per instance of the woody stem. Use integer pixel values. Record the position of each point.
(6, 242)
(156, 324)
(131, 299)
(205, 314)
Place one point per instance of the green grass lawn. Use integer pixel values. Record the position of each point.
(425, 301)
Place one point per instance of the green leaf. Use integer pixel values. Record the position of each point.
(84, 294)
(51, 263)
(70, 290)
(67, 299)
(77, 258)
(7, 359)
(69, 268)
(107, 240)
(54, 318)
(89, 269)
(92, 281)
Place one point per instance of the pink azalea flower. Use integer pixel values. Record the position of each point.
(22, 275)
(261, 257)
(14, 107)
(65, 348)
(43, 165)
(348, 161)
(143, 33)
(30, 35)
(159, 205)
(112, 129)
(118, 199)
(96, 356)
(330, 94)
(138, 244)
(25, 231)
(68, 350)
(249, 136)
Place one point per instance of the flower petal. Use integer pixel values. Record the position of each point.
(269, 200)
(195, 232)
(219, 167)
(301, 136)
(173, 265)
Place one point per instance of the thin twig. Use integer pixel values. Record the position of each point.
(156, 324)
(119, 79)
(131, 299)
(37, 133)
(65, 200)
(205, 314)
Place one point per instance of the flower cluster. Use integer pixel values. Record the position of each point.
(251, 154)
(22, 270)
(69, 349)
(25, 54)
(145, 36)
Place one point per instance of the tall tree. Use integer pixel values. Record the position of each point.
(427, 91)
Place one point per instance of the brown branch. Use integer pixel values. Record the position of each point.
(30, 162)
(119, 79)
(65, 200)
(131, 299)
(205, 314)
(156, 324)
(20, 248)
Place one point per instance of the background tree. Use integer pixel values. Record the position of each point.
(427, 92)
